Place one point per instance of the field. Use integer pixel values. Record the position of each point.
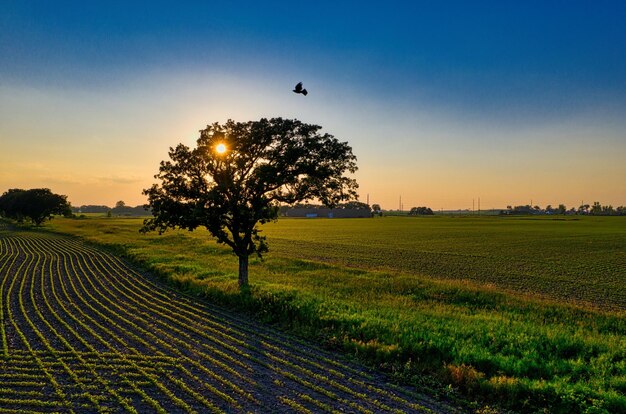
(571, 259)
(525, 312)
(83, 332)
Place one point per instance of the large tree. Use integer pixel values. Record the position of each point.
(38, 204)
(240, 172)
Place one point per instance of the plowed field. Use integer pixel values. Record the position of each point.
(82, 331)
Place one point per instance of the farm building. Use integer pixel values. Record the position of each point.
(328, 212)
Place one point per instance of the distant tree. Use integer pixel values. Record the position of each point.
(421, 211)
(527, 209)
(139, 210)
(376, 210)
(305, 205)
(608, 210)
(596, 209)
(238, 175)
(38, 204)
(354, 205)
(91, 209)
(561, 209)
(121, 209)
(11, 204)
(549, 209)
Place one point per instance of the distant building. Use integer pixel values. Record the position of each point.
(328, 212)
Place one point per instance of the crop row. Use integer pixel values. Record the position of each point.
(82, 331)
(578, 260)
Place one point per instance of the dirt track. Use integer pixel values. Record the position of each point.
(83, 332)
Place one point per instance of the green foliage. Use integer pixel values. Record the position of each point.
(38, 205)
(489, 341)
(376, 210)
(262, 163)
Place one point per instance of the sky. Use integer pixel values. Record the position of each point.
(442, 102)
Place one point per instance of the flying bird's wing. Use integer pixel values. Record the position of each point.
(298, 87)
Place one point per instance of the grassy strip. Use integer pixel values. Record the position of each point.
(526, 354)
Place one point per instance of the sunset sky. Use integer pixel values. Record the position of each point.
(442, 102)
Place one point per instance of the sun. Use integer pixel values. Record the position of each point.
(220, 148)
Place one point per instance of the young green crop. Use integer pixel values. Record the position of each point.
(519, 309)
(85, 332)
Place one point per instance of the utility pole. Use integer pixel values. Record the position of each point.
(473, 209)
(368, 199)
(479, 206)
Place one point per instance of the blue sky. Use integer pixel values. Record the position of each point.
(442, 101)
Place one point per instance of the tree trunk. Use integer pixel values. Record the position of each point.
(243, 271)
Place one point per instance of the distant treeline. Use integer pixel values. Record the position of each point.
(421, 211)
(596, 209)
(352, 205)
(120, 209)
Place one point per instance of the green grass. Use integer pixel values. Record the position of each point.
(526, 312)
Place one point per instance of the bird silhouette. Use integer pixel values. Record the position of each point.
(299, 89)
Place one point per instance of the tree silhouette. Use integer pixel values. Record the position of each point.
(239, 173)
(421, 211)
(38, 204)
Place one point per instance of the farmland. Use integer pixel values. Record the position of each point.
(570, 259)
(528, 313)
(82, 331)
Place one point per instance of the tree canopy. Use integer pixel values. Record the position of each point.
(421, 211)
(38, 205)
(238, 174)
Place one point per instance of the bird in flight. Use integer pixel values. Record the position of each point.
(299, 89)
